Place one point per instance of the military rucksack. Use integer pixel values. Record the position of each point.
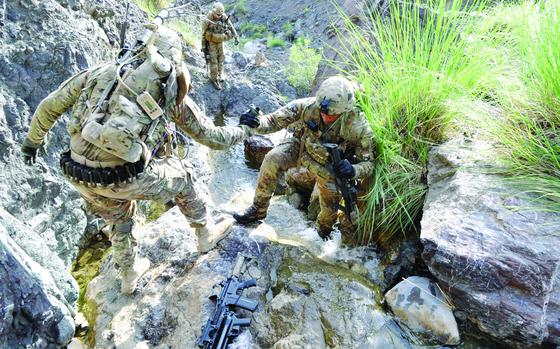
(119, 123)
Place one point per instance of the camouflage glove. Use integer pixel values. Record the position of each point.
(344, 169)
(236, 41)
(29, 151)
(251, 117)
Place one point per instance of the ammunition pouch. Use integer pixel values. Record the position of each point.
(102, 176)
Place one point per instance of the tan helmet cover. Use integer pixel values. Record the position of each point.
(336, 95)
(218, 8)
(169, 46)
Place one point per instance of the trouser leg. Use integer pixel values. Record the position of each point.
(329, 199)
(221, 60)
(213, 54)
(279, 159)
(124, 245)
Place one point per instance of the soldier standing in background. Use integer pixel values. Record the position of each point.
(330, 117)
(216, 29)
(121, 144)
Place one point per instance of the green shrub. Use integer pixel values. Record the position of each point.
(252, 30)
(185, 29)
(288, 29)
(273, 41)
(241, 7)
(302, 66)
(152, 7)
(423, 57)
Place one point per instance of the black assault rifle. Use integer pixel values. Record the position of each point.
(224, 325)
(347, 187)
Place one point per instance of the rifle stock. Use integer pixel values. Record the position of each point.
(223, 324)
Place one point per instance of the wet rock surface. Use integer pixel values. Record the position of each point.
(497, 263)
(303, 301)
(256, 149)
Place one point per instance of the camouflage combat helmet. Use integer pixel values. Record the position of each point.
(168, 44)
(218, 8)
(336, 95)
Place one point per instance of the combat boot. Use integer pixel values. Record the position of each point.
(252, 214)
(216, 84)
(130, 277)
(210, 234)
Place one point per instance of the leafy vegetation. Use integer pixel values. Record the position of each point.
(152, 7)
(273, 41)
(531, 131)
(86, 268)
(252, 30)
(432, 62)
(302, 66)
(185, 29)
(423, 59)
(241, 7)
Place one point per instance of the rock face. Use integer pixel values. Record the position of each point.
(30, 307)
(419, 303)
(491, 250)
(256, 148)
(304, 302)
(43, 43)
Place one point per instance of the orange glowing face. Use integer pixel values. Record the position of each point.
(329, 119)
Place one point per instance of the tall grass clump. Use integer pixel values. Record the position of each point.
(302, 66)
(531, 132)
(410, 63)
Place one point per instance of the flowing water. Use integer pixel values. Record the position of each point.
(231, 187)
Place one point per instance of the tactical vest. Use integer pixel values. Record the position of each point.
(120, 123)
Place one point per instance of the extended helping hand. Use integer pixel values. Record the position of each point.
(250, 117)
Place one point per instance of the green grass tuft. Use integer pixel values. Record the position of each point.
(302, 66)
(423, 58)
(530, 133)
(252, 30)
(273, 41)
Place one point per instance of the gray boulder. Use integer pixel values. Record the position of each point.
(304, 302)
(420, 305)
(256, 149)
(30, 307)
(493, 251)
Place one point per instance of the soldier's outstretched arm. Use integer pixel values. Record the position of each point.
(189, 118)
(53, 106)
(283, 117)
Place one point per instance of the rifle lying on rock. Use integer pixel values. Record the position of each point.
(224, 325)
(347, 187)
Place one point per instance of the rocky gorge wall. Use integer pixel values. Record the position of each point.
(498, 266)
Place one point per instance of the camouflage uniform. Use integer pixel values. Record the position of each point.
(164, 178)
(351, 132)
(214, 33)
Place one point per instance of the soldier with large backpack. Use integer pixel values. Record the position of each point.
(122, 141)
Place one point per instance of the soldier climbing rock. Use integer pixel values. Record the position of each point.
(330, 117)
(122, 144)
